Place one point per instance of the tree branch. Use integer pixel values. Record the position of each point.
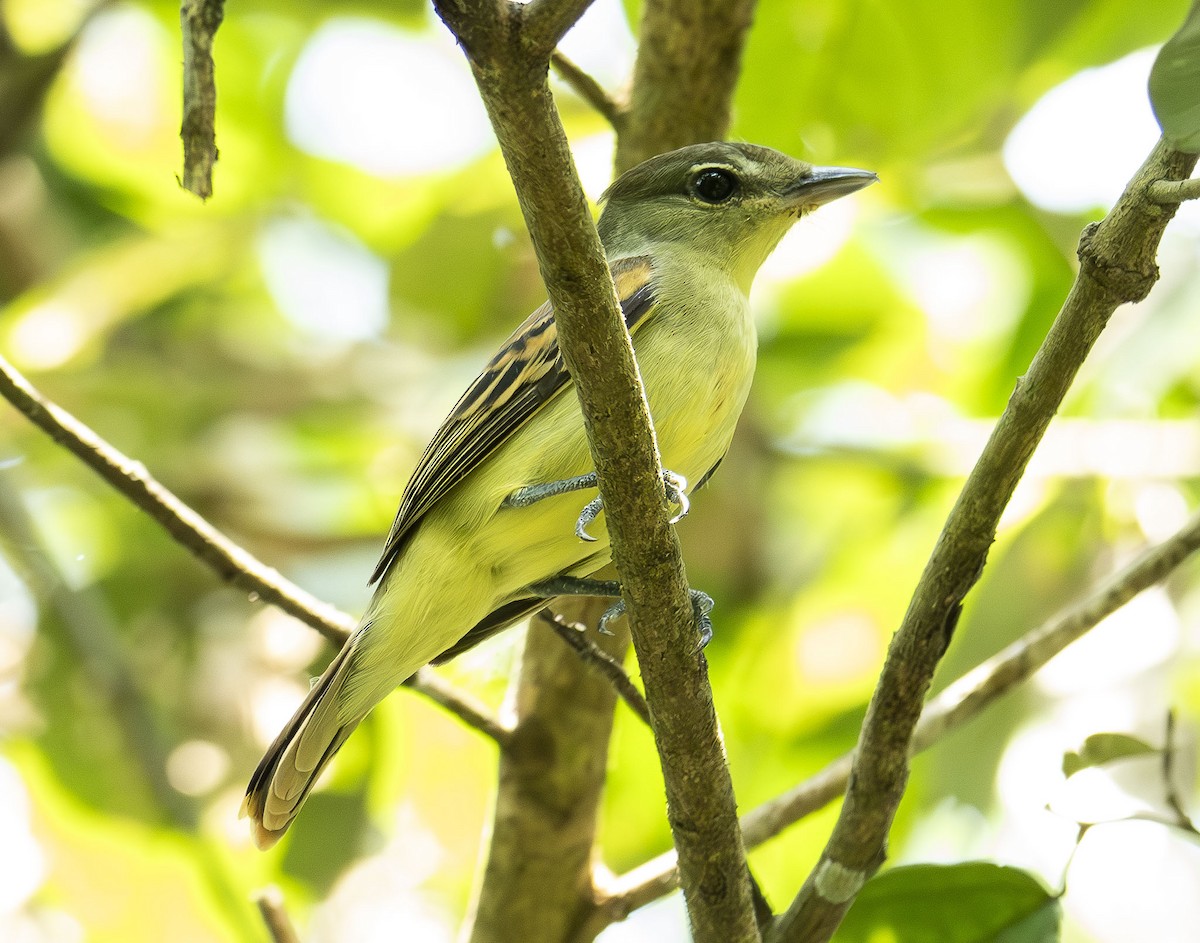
(1174, 191)
(589, 90)
(689, 58)
(645, 550)
(546, 22)
(230, 562)
(462, 705)
(275, 916)
(480, 26)
(1117, 266)
(537, 882)
(1173, 799)
(599, 660)
(958, 703)
(199, 21)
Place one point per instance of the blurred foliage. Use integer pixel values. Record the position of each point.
(279, 356)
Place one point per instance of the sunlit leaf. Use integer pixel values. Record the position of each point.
(1101, 748)
(1175, 84)
(965, 903)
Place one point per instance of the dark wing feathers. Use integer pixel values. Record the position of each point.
(494, 622)
(526, 373)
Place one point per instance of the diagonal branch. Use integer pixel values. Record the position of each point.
(275, 916)
(958, 703)
(1117, 266)
(595, 657)
(589, 90)
(546, 22)
(231, 562)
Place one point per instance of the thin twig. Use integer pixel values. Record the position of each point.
(199, 21)
(1174, 801)
(462, 705)
(601, 661)
(231, 562)
(958, 703)
(588, 89)
(1174, 191)
(275, 916)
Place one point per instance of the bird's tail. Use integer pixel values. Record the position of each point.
(291, 765)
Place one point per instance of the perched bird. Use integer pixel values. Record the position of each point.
(490, 525)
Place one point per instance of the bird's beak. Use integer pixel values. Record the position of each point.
(826, 184)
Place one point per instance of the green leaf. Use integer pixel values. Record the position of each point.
(975, 902)
(1101, 748)
(1175, 84)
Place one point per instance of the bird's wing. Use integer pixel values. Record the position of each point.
(526, 373)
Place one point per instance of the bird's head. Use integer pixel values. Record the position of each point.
(730, 202)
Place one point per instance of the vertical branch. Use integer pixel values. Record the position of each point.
(199, 20)
(537, 882)
(689, 59)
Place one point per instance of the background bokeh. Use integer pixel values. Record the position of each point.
(279, 355)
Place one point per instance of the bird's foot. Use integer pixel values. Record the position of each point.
(702, 603)
(531, 494)
(676, 486)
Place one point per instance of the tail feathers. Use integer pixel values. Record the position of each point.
(291, 765)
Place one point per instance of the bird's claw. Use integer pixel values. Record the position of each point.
(702, 605)
(589, 513)
(615, 611)
(676, 488)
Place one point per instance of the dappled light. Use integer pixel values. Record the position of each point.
(280, 355)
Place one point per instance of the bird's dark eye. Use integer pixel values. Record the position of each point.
(714, 185)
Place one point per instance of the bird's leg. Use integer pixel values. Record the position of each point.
(702, 603)
(676, 486)
(531, 494)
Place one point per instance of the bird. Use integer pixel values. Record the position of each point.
(489, 524)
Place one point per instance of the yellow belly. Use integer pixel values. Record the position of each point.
(470, 554)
